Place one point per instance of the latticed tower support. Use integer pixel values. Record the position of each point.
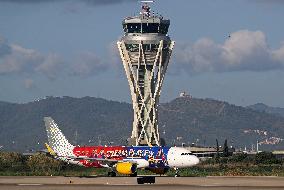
(145, 50)
(145, 67)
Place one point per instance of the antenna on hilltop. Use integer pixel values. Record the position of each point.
(146, 10)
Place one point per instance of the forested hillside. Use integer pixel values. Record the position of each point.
(98, 121)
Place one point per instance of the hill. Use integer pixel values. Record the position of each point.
(98, 121)
(264, 108)
(205, 120)
(82, 120)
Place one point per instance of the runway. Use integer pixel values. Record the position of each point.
(125, 183)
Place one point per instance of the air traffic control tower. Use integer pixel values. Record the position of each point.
(145, 50)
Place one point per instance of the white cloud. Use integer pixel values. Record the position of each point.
(278, 54)
(19, 60)
(243, 51)
(51, 66)
(106, 2)
(92, 2)
(87, 64)
(15, 59)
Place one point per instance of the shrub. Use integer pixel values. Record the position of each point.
(40, 163)
(266, 158)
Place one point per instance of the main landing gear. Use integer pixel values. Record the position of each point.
(146, 179)
(111, 174)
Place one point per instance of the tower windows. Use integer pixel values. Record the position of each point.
(132, 28)
(146, 47)
(146, 28)
(164, 28)
(150, 28)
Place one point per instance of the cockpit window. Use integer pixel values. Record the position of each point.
(186, 153)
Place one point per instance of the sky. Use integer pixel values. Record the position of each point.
(226, 50)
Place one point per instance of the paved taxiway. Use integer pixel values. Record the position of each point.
(125, 183)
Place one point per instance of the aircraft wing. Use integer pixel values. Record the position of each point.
(106, 163)
(104, 160)
(78, 158)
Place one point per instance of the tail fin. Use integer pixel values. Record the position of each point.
(57, 141)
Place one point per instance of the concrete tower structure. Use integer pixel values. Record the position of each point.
(145, 50)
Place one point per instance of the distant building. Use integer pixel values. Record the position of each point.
(184, 95)
(279, 154)
(209, 152)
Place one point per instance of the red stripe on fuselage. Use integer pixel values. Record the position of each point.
(111, 152)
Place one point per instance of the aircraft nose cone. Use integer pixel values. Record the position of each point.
(196, 160)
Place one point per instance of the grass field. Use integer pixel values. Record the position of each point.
(263, 164)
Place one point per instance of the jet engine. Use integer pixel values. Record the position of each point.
(126, 168)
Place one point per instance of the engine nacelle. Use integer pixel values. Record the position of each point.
(126, 168)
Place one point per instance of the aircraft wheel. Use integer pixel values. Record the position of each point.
(177, 175)
(148, 179)
(111, 174)
(133, 175)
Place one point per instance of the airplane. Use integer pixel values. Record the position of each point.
(119, 159)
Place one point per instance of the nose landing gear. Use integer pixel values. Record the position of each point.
(177, 172)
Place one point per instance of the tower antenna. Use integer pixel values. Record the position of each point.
(146, 9)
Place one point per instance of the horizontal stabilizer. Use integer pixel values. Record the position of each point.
(49, 149)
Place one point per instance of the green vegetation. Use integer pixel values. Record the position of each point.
(262, 164)
(15, 164)
(267, 109)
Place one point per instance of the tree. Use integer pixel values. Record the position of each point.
(226, 149)
(11, 160)
(217, 148)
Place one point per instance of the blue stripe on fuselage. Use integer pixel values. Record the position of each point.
(156, 155)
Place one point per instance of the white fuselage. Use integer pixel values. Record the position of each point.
(178, 157)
